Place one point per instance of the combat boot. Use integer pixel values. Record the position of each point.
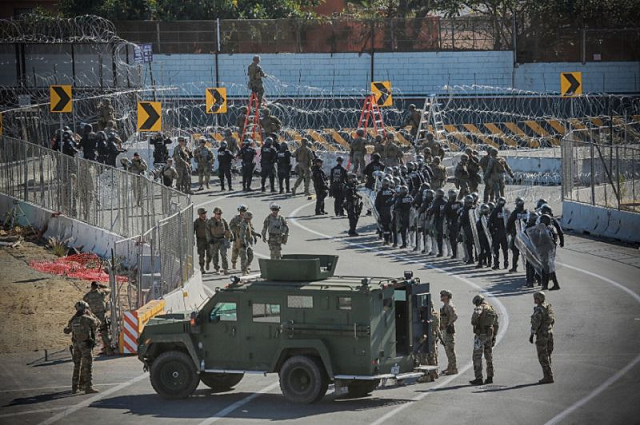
(225, 271)
(489, 380)
(477, 381)
(207, 265)
(233, 265)
(513, 269)
(495, 263)
(91, 390)
(548, 379)
(74, 389)
(425, 378)
(202, 269)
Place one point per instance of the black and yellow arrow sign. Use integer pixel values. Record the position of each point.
(149, 116)
(216, 100)
(61, 99)
(382, 93)
(570, 84)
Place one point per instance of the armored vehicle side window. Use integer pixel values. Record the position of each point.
(344, 303)
(224, 312)
(266, 313)
(300, 301)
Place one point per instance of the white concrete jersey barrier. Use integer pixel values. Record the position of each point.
(187, 298)
(600, 221)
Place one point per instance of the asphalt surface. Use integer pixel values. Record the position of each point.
(595, 362)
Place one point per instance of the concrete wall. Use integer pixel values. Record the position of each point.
(412, 74)
(599, 221)
(597, 77)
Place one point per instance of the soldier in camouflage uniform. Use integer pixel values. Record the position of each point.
(232, 144)
(202, 241)
(169, 173)
(271, 126)
(276, 227)
(256, 74)
(204, 158)
(182, 158)
(234, 226)
(97, 300)
(392, 153)
(107, 114)
(542, 321)
(439, 174)
(413, 120)
(304, 158)
(431, 358)
(448, 318)
(82, 327)
(247, 239)
(137, 166)
(485, 328)
(242, 117)
(483, 163)
(219, 235)
(494, 176)
(358, 151)
(462, 176)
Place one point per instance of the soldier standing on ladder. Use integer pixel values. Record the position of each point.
(256, 74)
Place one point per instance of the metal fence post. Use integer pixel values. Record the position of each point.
(593, 188)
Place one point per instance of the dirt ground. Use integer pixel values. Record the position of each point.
(34, 307)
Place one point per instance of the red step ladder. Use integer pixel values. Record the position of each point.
(371, 111)
(252, 119)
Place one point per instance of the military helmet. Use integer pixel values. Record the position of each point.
(390, 135)
(474, 195)
(248, 214)
(540, 203)
(339, 159)
(468, 151)
(404, 188)
(404, 168)
(533, 216)
(519, 201)
(420, 158)
(484, 209)
(351, 176)
(546, 209)
(396, 180)
(203, 140)
(217, 210)
(502, 201)
(540, 296)
(320, 160)
(201, 211)
(242, 208)
(410, 166)
(360, 132)
(274, 206)
(468, 199)
(268, 141)
(412, 106)
(427, 151)
(439, 193)
(228, 132)
(436, 160)
(545, 219)
(386, 182)
(223, 144)
(247, 141)
(424, 186)
(446, 293)
(428, 193)
(81, 306)
(452, 192)
(181, 139)
(492, 206)
(101, 135)
(464, 157)
(375, 156)
(478, 299)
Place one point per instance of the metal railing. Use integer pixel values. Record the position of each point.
(601, 166)
(97, 194)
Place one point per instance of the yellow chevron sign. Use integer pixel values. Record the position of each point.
(382, 93)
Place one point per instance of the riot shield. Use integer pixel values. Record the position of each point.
(542, 239)
(473, 219)
(526, 247)
(485, 226)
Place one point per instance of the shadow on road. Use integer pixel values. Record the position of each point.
(42, 398)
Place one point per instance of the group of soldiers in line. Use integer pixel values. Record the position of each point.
(485, 322)
(215, 236)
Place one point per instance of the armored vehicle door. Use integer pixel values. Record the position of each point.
(263, 337)
(222, 335)
(412, 312)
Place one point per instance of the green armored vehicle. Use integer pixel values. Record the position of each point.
(297, 320)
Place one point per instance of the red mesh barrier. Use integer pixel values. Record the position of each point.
(85, 266)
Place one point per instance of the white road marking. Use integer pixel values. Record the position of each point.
(72, 409)
(402, 257)
(18, 390)
(30, 412)
(224, 412)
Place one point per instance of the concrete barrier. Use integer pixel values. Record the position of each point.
(600, 221)
(187, 298)
(134, 323)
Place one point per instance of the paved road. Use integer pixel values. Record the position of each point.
(595, 360)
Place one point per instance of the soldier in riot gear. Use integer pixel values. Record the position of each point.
(284, 167)
(337, 180)
(160, 151)
(451, 212)
(88, 143)
(319, 185)
(353, 203)
(225, 159)
(383, 202)
(268, 158)
(247, 155)
(484, 256)
(518, 216)
(402, 207)
(370, 169)
(498, 229)
(465, 225)
(427, 221)
(437, 211)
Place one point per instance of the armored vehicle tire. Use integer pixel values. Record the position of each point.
(362, 388)
(173, 375)
(303, 379)
(221, 381)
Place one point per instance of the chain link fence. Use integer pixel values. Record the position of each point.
(601, 167)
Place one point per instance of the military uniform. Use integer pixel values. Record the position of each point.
(485, 328)
(448, 318)
(494, 176)
(268, 158)
(271, 126)
(255, 80)
(138, 167)
(202, 242)
(284, 167)
(487, 194)
(431, 358)
(106, 114)
(337, 179)
(278, 231)
(169, 174)
(542, 321)
(218, 235)
(474, 173)
(182, 160)
(234, 226)
(247, 154)
(413, 120)
(97, 300)
(353, 205)
(204, 158)
(358, 151)
(304, 159)
(462, 177)
(247, 239)
(392, 154)
(82, 326)
(225, 158)
(439, 176)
